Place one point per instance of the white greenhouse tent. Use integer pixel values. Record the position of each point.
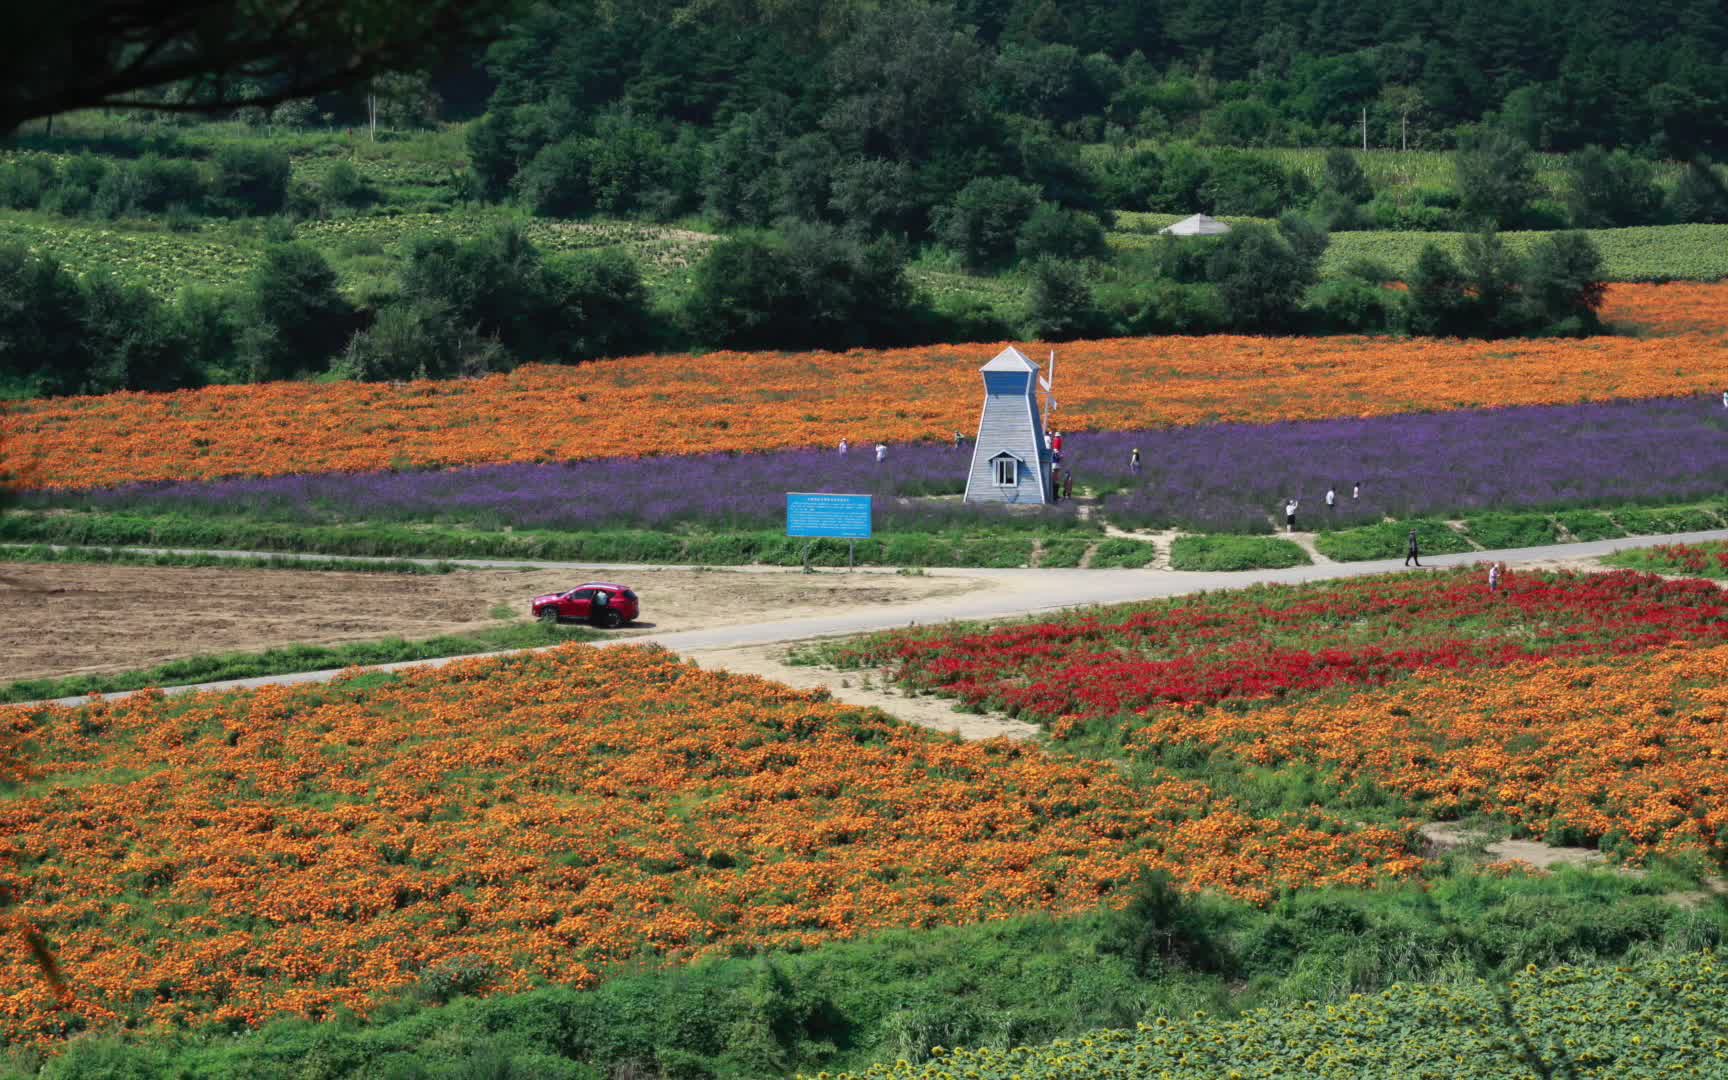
(1198, 225)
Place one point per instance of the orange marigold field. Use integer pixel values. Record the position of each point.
(1630, 753)
(539, 817)
(742, 402)
(1677, 308)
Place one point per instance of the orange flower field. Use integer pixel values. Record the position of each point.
(741, 402)
(1629, 752)
(1677, 308)
(538, 818)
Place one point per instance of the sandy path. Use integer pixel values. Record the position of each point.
(870, 689)
(70, 618)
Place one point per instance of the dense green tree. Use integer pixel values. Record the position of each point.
(294, 291)
(1496, 178)
(1437, 302)
(1062, 234)
(1059, 302)
(41, 320)
(984, 221)
(1260, 276)
(1491, 280)
(1343, 176)
(1607, 190)
(251, 179)
(1564, 283)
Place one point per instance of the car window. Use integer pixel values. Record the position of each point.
(582, 594)
(628, 595)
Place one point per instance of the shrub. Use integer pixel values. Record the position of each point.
(342, 186)
(417, 339)
(1352, 305)
(603, 304)
(1588, 524)
(1436, 304)
(1564, 280)
(250, 179)
(1260, 277)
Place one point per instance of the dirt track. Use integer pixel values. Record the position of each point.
(70, 619)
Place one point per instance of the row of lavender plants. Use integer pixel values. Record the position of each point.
(1218, 478)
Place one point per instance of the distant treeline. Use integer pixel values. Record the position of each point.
(470, 307)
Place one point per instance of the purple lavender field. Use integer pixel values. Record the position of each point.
(1219, 478)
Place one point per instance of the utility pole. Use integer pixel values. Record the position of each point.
(1404, 132)
(1364, 127)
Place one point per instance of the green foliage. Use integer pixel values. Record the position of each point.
(1235, 553)
(1261, 277)
(1564, 282)
(984, 221)
(1502, 531)
(1496, 178)
(250, 179)
(1343, 176)
(811, 287)
(1054, 232)
(1059, 302)
(302, 317)
(1607, 190)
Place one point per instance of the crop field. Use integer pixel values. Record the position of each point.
(510, 822)
(1649, 1019)
(676, 405)
(215, 254)
(1649, 253)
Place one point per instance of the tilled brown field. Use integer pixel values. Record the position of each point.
(70, 619)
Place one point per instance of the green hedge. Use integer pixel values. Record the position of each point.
(1235, 553)
(1652, 522)
(1063, 553)
(1503, 531)
(1589, 524)
(43, 553)
(1387, 541)
(1120, 552)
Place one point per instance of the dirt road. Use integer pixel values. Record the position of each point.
(73, 619)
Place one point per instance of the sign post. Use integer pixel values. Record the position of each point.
(837, 517)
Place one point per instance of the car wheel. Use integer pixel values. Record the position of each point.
(611, 620)
(549, 616)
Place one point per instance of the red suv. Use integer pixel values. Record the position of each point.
(599, 602)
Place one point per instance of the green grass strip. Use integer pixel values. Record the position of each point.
(43, 553)
(219, 667)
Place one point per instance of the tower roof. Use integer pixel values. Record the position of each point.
(1010, 359)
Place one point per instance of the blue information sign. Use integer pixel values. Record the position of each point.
(842, 517)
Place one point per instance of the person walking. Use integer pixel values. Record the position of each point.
(1134, 461)
(1725, 399)
(843, 448)
(1056, 442)
(1290, 515)
(1055, 483)
(1356, 490)
(1068, 484)
(1412, 550)
(959, 440)
(1048, 444)
(881, 453)
(1494, 576)
(1331, 498)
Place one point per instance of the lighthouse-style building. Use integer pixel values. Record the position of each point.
(1009, 461)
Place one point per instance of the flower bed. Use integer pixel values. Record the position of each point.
(501, 823)
(642, 406)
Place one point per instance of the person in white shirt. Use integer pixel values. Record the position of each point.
(843, 448)
(1356, 490)
(1290, 515)
(881, 453)
(1331, 499)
